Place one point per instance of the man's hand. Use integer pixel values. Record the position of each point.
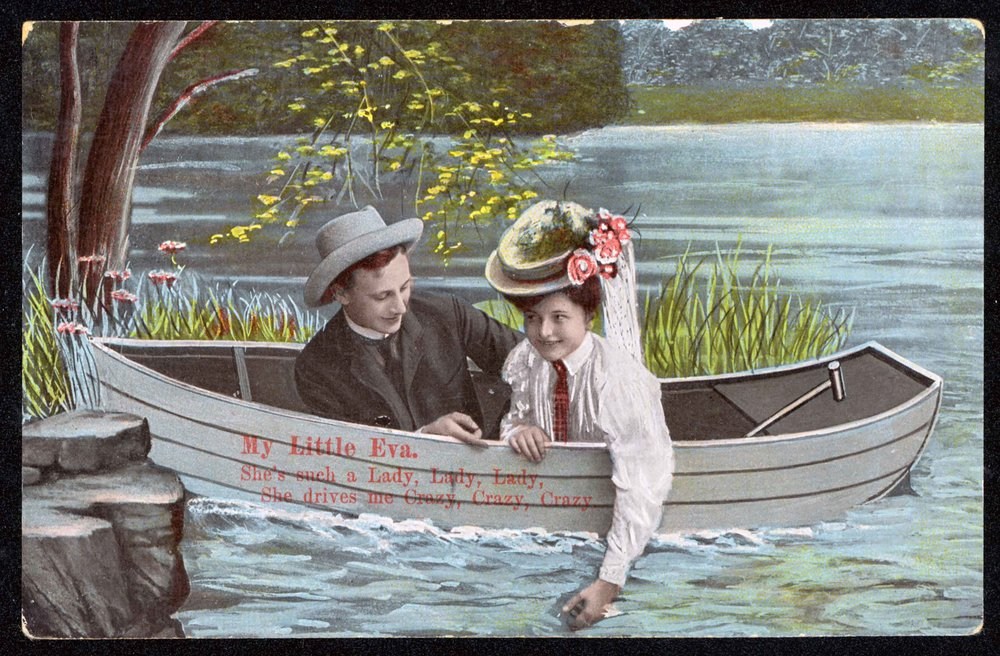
(458, 425)
(530, 441)
(590, 604)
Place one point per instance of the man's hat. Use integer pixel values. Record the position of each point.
(352, 237)
(533, 252)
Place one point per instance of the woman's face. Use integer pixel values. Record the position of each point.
(556, 326)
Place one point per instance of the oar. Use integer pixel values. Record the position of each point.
(834, 382)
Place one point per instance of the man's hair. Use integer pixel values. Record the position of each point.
(373, 262)
(587, 296)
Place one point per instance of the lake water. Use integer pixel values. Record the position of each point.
(886, 220)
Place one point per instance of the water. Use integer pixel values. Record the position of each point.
(886, 220)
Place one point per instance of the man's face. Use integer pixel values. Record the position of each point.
(377, 299)
(556, 326)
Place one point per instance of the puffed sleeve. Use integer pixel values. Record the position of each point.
(631, 417)
(517, 373)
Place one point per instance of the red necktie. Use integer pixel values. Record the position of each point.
(560, 422)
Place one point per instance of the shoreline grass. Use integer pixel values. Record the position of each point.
(664, 105)
(54, 346)
(707, 319)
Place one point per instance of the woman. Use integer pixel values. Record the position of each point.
(569, 384)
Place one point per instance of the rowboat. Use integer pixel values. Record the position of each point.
(226, 418)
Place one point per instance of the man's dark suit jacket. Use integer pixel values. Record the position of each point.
(337, 378)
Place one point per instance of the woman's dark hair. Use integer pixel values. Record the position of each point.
(587, 296)
(372, 262)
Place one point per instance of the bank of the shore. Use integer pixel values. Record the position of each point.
(101, 527)
(666, 105)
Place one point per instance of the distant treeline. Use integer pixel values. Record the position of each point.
(568, 78)
(802, 52)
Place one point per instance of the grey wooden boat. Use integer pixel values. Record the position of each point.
(225, 416)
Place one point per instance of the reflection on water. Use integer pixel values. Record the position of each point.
(884, 219)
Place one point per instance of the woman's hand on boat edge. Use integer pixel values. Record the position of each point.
(458, 425)
(590, 604)
(530, 441)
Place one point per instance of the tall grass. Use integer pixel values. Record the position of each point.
(53, 379)
(708, 319)
(45, 386)
(177, 313)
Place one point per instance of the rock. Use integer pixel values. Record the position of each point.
(100, 550)
(85, 440)
(30, 475)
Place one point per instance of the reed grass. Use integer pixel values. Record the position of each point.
(45, 385)
(190, 312)
(707, 319)
(50, 380)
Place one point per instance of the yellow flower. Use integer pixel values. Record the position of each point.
(385, 125)
(386, 61)
(268, 200)
(399, 75)
(330, 151)
(296, 107)
(283, 156)
(277, 172)
(496, 176)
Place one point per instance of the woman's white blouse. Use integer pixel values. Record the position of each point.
(615, 400)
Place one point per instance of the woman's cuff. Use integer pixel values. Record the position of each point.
(507, 433)
(613, 572)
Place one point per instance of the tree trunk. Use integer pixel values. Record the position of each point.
(61, 208)
(106, 194)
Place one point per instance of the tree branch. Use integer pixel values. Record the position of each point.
(186, 97)
(191, 37)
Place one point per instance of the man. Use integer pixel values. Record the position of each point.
(392, 357)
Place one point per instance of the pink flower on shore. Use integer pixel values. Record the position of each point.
(92, 259)
(71, 328)
(118, 276)
(581, 266)
(65, 305)
(172, 247)
(161, 277)
(124, 296)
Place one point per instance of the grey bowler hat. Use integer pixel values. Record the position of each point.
(352, 237)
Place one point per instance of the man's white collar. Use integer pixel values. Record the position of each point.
(364, 332)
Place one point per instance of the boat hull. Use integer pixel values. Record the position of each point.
(224, 446)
